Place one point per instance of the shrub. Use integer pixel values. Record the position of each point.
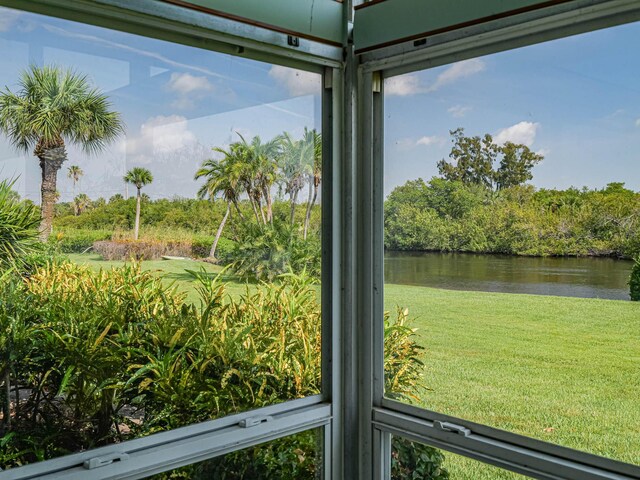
(634, 281)
(90, 349)
(77, 241)
(18, 227)
(266, 252)
(140, 250)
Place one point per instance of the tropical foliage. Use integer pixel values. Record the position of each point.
(450, 216)
(54, 107)
(18, 228)
(481, 161)
(99, 357)
(251, 169)
(139, 177)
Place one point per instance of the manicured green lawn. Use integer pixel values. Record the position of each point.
(565, 370)
(171, 271)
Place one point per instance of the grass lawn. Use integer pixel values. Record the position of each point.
(171, 271)
(565, 370)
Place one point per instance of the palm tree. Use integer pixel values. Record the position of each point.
(54, 107)
(295, 164)
(138, 177)
(219, 180)
(262, 158)
(74, 172)
(81, 203)
(313, 140)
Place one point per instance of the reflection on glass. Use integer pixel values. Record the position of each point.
(512, 215)
(415, 460)
(296, 457)
(160, 213)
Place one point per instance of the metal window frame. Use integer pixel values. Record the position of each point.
(139, 458)
(386, 417)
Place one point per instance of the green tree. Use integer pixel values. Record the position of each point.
(296, 160)
(54, 107)
(515, 165)
(81, 203)
(314, 139)
(139, 177)
(480, 161)
(74, 172)
(472, 159)
(219, 180)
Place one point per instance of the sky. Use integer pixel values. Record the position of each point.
(177, 103)
(576, 101)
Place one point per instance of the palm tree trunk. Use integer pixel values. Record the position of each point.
(264, 220)
(235, 202)
(310, 204)
(212, 253)
(294, 199)
(267, 195)
(137, 226)
(51, 161)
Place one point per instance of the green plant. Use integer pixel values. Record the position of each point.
(90, 351)
(411, 460)
(52, 108)
(18, 227)
(139, 177)
(634, 281)
(272, 250)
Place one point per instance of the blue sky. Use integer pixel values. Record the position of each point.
(575, 100)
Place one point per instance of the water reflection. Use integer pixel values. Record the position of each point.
(571, 277)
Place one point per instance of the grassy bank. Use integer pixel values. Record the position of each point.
(565, 370)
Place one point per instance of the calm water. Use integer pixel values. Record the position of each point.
(570, 277)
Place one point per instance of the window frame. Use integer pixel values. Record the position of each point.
(141, 457)
(386, 417)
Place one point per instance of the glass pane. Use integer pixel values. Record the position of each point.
(512, 217)
(416, 460)
(178, 276)
(296, 457)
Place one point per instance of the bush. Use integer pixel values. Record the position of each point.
(101, 357)
(140, 250)
(266, 252)
(634, 281)
(18, 227)
(77, 241)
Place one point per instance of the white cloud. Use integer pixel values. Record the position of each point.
(410, 84)
(458, 111)
(523, 132)
(457, 71)
(189, 89)
(160, 135)
(185, 83)
(638, 122)
(432, 140)
(8, 18)
(297, 82)
(402, 85)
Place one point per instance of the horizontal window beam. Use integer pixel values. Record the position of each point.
(164, 451)
(177, 24)
(462, 438)
(575, 17)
